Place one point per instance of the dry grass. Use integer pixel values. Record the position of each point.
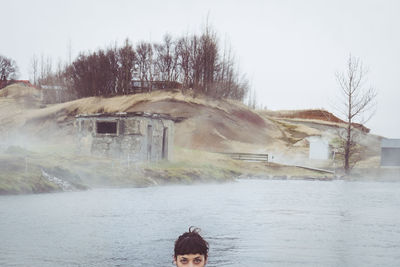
(15, 91)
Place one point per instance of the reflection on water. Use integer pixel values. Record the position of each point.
(247, 223)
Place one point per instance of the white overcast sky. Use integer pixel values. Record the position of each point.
(290, 50)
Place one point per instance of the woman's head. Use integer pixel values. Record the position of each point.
(190, 249)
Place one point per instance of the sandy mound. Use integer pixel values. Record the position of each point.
(214, 129)
(210, 125)
(16, 91)
(207, 125)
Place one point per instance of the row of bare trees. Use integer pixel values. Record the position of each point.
(105, 72)
(194, 62)
(44, 72)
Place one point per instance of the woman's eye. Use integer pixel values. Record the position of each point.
(184, 260)
(197, 260)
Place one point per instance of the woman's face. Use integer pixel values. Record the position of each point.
(188, 260)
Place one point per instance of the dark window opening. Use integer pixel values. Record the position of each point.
(106, 127)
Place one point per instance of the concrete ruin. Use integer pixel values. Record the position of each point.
(136, 136)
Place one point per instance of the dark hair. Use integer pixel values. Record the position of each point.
(191, 242)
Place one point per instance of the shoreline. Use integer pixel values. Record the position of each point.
(210, 180)
(27, 172)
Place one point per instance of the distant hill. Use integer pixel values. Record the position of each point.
(312, 114)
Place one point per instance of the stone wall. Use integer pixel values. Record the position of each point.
(135, 138)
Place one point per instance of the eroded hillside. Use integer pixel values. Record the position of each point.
(206, 124)
(42, 141)
(218, 126)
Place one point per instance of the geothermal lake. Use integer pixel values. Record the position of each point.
(247, 223)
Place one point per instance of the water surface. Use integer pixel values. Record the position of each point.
(247, 223)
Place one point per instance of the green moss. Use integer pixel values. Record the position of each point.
(25, 183)
(21, 172)
(188, 172)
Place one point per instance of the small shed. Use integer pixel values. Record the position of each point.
(390, 152)
(319, 148)
(136, 136)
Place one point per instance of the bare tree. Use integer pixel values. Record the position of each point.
(35, 69)
(166, 59)
(49, 67)
(126, 58)
(145, 66)
(42, 74)
(209, 58)
(196, 63)
(8, 69)
(183, 61)
(356, 107)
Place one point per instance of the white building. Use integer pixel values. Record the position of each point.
(390, 152)
(319, 148)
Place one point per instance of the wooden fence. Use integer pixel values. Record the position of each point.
(248, 156)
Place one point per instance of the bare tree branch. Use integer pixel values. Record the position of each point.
(358, 101)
